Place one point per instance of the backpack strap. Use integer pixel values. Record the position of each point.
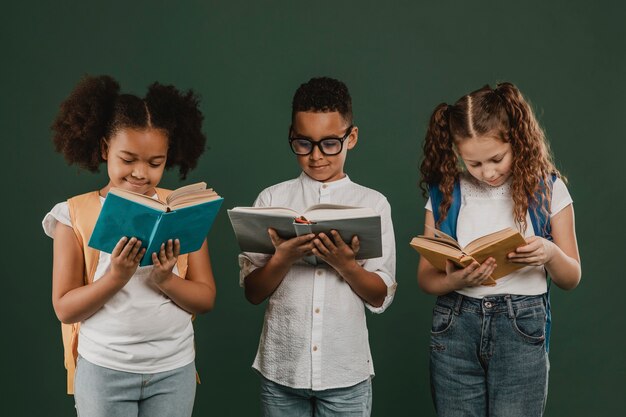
(448, 225)
(541, 227)
(84, 211)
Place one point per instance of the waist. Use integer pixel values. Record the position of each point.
(499, 303)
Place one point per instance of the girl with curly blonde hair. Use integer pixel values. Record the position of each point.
(487, 166)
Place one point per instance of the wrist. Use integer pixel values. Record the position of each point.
(348, 269)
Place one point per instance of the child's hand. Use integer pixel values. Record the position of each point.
(125, 258)
(335, 252)
(472, 275)
(537, 251)
(164, 261)
(293, 249)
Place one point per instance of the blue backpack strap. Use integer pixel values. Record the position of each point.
(448, 225)
(541, 227)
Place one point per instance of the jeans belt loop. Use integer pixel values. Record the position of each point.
(509, 304)
(457, 304)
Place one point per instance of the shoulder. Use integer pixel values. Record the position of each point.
(266, 196)
(561, 197)
(60, 213)
(370, 196)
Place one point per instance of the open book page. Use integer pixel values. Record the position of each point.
(139, 198)
(179, 194)
(484, 241)
(191, 199)
(322, 212)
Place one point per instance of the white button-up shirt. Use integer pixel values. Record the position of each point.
(315, 333)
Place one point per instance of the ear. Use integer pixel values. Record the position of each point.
(353, 138)
(104, 149)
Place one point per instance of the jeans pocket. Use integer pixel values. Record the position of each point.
(530, 324)
(442, 320)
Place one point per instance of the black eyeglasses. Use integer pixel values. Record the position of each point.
(328, 146)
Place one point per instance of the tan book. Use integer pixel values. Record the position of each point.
(436, 249)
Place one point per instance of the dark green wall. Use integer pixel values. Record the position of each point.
(246, 59)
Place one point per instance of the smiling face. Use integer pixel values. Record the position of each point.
(486, 158)
(316, 126)
(135, 159)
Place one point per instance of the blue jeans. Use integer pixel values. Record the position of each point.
(281, 401)
(488, 357)
(104, 392)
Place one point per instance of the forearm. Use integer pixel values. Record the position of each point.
(433, 281)
(192, 296)
(262, 282)
(564, 270)
(367, 285)
(82, 302)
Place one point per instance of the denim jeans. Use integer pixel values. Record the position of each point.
(488, 357)
(104, 392)
(281, 401)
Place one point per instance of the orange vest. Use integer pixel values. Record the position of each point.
(84, 210)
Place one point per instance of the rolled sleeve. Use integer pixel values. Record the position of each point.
(248, 262)
(385, 266)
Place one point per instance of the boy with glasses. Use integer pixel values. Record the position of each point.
(314, 356)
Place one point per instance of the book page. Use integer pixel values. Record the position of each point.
(321, 212)
(268, 211)
(191, 188)
(139, 198)
(487, 240)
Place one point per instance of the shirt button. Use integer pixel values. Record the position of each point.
(319, 272)
(317, 310)
(314, 348)
(324, 186)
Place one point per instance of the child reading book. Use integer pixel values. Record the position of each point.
(304, 366)
(489, 344)
(127, 331)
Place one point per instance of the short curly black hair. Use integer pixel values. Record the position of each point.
(323, 94)
(95, 110)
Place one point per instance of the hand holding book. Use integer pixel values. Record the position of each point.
(441, 248)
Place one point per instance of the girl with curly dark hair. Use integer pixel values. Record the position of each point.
(128, 335)
(487, 166)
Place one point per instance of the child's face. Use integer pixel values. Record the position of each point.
(316, 126)
(487, 159)
(136, 159)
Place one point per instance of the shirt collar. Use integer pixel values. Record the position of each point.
(310, 182)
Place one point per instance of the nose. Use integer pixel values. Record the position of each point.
(139, 171)
(316, 153)
(489, 173)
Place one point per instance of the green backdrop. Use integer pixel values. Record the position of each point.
(246, 59)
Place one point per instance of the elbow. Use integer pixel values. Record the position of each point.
(253, 298)
(65, 316)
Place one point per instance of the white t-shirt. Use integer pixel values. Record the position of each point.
(139, 329)
(315, 333)
(486, 209)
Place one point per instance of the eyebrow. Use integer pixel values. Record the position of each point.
(500, 155)
(299, 136)
(134, 155)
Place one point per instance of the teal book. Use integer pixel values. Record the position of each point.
(187, 215)
(250, 225)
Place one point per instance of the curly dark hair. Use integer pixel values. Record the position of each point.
(323, 94)
(503, 113)
(95, 110)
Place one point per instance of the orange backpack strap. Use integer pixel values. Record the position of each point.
(84, 210)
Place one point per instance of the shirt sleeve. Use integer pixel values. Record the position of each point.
(249, 261)
(385, 266)
(560, 197)
(429, 205)
(60, 213)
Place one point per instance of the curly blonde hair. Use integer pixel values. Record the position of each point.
(501, 112)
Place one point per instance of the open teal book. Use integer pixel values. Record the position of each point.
(187, 214)
(251, 223)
